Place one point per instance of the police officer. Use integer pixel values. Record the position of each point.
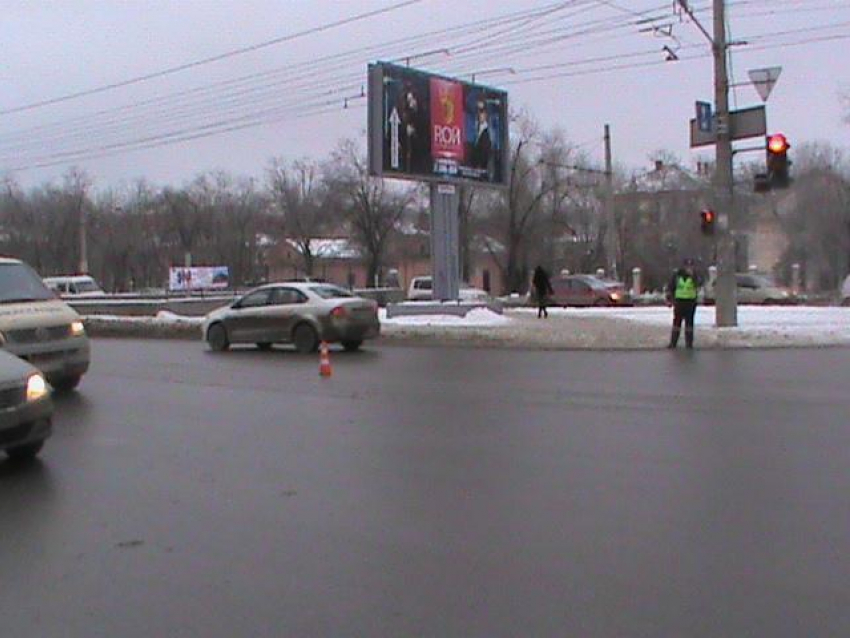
(682, 292)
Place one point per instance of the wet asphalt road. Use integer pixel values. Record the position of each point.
(436, 492)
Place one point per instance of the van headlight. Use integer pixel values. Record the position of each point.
(36, 388)
(78, 329)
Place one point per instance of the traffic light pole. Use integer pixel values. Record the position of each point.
(726, 311)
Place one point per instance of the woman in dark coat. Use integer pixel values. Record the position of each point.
(542, 289)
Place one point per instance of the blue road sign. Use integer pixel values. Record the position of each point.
(704, 117)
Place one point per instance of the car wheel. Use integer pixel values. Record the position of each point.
(217, 338)
(265, 346)
(26, 452)
(353, 345)
(66, 384)
(305, 338)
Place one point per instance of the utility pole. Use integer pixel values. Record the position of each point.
(83, 265)
(726, 311)
(727, 308)
(610, 217)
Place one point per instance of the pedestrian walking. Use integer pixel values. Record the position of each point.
(682, 292)
(542, 289)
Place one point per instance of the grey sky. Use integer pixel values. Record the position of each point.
(54, 48)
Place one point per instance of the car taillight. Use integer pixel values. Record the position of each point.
(339, 312)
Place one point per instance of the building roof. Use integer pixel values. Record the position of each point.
(666, 178)
(330, 248)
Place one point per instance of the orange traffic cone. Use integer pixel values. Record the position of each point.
(325, 369)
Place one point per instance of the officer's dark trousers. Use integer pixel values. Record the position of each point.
(683, 310)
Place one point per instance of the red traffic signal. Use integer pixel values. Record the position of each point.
(777, 144)
(777, 161)
(707, 219)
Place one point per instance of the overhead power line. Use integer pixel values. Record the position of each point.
(209, 60)
(317, 87)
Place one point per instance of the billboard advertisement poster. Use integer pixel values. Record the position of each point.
(428, 127)
(198, 278)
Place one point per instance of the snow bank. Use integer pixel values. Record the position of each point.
(163, 317)
(477, 318)
(811, 325)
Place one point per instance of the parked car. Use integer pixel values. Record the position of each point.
(754, 289)
(845, 292)
(38, 327)
(587, 290)
(303, 314)
(26, 408)
(74, 286)
(420, 289)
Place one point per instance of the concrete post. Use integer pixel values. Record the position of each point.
(636, 281)
(796, 279)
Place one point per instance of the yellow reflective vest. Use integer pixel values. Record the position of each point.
(686, 288)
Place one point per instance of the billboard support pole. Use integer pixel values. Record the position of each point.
(445, 266)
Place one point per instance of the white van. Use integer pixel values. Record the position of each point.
(39, 328)
(74, 286)
(420, 289)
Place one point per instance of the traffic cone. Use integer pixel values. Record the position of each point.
(325, 369)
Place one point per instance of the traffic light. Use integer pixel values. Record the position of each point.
(777, 161)
(708, 218)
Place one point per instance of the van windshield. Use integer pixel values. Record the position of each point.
(19, 283)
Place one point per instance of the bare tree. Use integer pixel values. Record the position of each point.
(184, 220)
(300, 195)
(514, 220)
(371, 208)
(818, 219)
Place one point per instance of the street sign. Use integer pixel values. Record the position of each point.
(704, 117)
(764, 80)
(743, 124)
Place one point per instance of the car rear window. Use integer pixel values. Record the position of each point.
(422, 284)
(330, 292)
(86, 286)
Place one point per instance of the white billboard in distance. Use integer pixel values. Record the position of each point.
(198, 278)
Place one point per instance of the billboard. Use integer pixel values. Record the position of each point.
(428, 127)
(198, 278)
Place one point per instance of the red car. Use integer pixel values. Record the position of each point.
(588, 290)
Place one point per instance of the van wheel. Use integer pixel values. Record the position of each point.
(217, 338)
(66, 384)
(24, 453)
(305, 338)
(265, 346)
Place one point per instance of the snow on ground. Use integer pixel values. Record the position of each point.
(817, 324)
(477, 318)
(163, 317)
(762, 318)
(607, 328)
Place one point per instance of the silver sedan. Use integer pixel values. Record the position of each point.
(303, 314)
